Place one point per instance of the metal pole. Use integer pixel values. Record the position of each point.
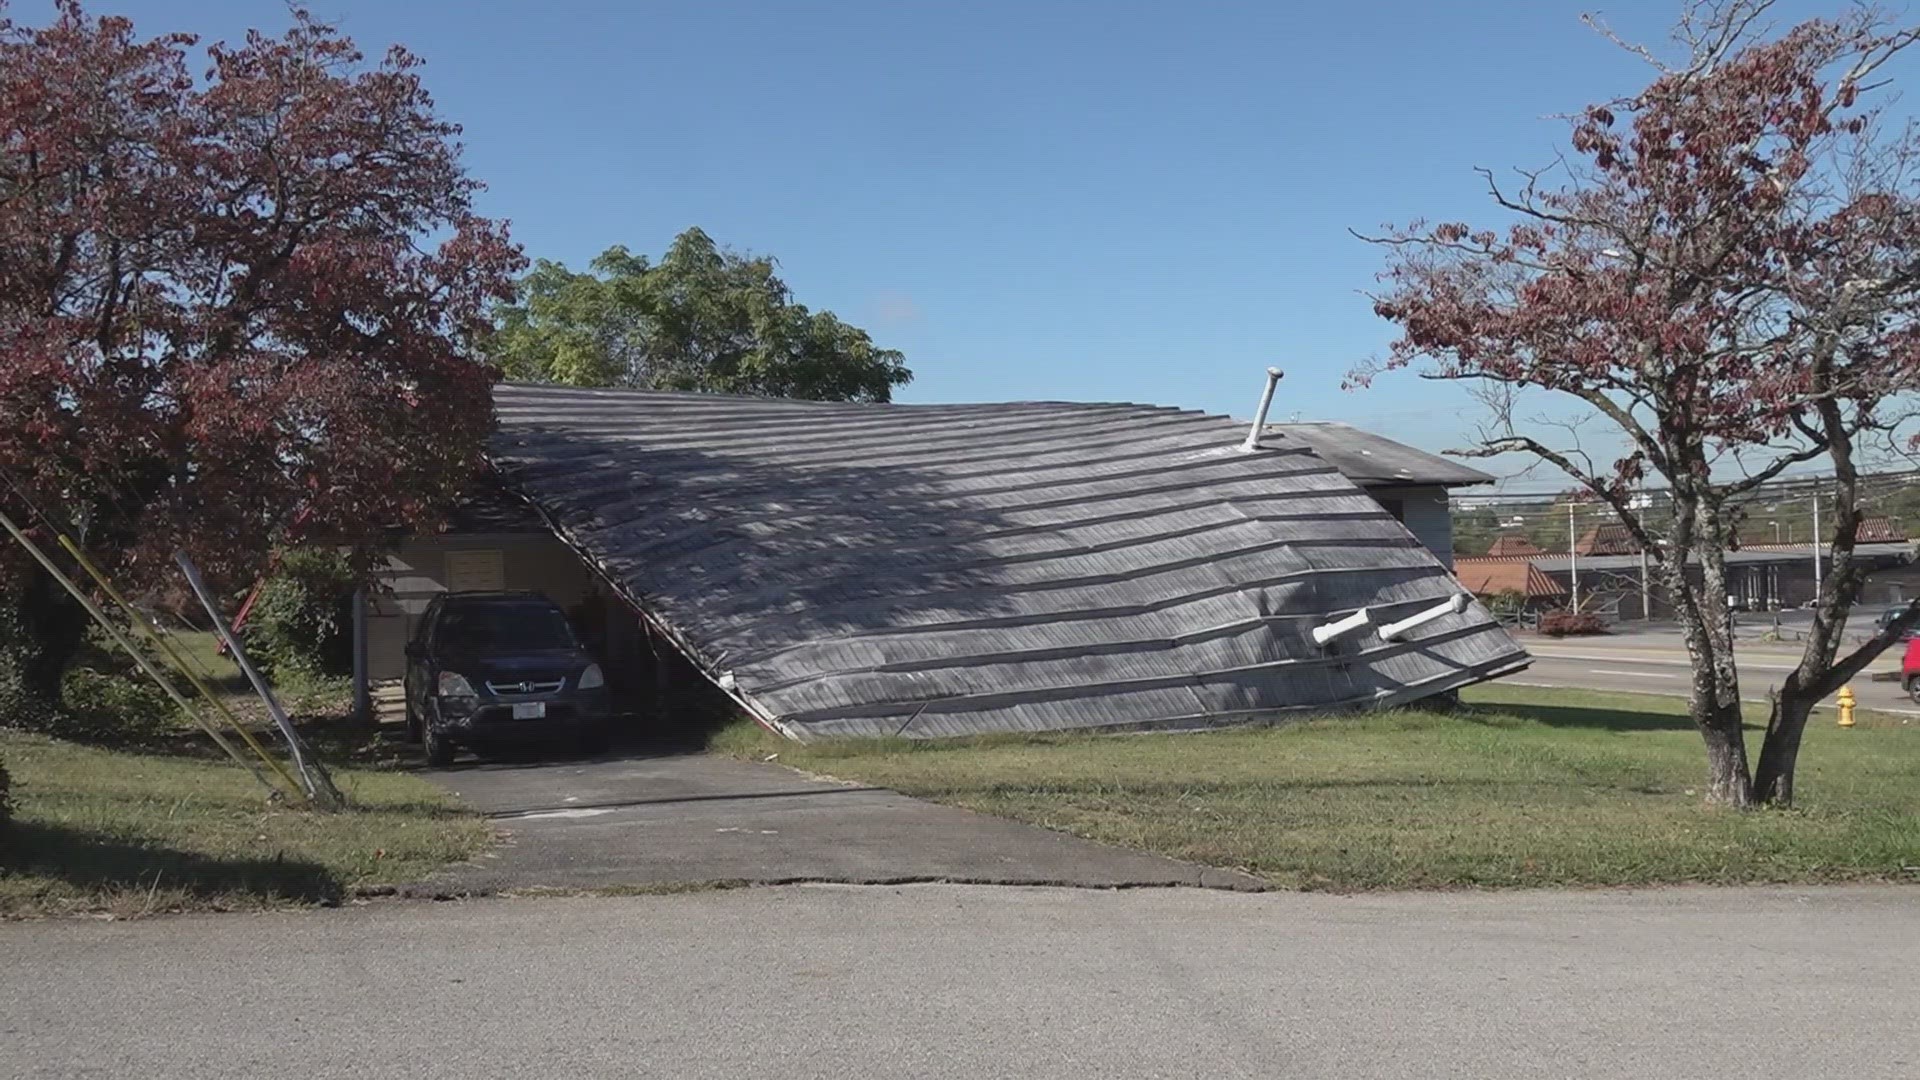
(1646, 588)
(1573, 553)
(1816, 544)
(320, 790)
(139, 658)
(1260, 418)
(180, 663)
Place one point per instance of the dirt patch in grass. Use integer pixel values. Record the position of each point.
(129, 833)
(1523, 788)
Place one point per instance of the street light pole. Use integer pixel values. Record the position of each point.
(1817, 570)
(1573, 553)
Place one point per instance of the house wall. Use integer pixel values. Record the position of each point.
(1425, 511)
(423, 568)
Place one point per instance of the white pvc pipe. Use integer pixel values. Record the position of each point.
(1260, 418)
(1353, 623)
(1452, 605)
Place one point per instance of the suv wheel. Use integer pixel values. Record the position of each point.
(1913, 689)
(439, 750)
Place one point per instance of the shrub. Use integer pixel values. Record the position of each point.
(1507, 602)
(1571, 623)
(105, 707)
(18, 707)
(38, 637)
(302, 620)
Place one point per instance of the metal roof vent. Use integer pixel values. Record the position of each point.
(1260, 418)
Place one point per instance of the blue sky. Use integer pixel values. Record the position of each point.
(1086, 201)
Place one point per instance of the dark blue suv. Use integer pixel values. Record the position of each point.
(489, 668)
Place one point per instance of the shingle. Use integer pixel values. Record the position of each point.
(953, 569)
(1374, 460)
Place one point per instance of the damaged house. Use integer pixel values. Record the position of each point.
(940, 570)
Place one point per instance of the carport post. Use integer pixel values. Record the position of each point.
(362, 693)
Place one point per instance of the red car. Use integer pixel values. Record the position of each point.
(1910, 669)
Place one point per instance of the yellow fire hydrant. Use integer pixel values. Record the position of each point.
(1846, 702)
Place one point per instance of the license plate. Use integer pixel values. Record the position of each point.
(529, 710)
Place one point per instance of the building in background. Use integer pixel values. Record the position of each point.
(1510, 585)
(1510, 545)
(1610, 538)
(1617, 582)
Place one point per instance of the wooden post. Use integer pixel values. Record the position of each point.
(362, 691)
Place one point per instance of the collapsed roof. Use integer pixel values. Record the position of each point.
(940, 570)
(1376, 461)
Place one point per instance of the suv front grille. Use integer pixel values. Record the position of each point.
(548, 686)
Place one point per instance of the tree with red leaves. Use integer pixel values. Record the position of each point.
(222, 324)
(1726, 275)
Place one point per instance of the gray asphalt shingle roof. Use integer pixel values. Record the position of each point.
(941, 570)
(1369, 459)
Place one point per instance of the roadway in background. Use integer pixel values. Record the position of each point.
(1653, 660)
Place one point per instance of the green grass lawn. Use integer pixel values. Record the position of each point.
(1527, 787)
(125, 833)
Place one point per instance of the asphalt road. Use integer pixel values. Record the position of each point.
(1657, 664)
(962, 981)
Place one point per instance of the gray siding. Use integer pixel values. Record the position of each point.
(1425, 511)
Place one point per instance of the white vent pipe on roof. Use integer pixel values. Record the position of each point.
(1452, 605)
(1260, 418)
(1340, 628)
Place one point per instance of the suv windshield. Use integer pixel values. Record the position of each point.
(504, 625)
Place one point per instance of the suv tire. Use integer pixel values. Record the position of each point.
(439, 750)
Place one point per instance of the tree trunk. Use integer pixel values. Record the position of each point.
(41, 630)
(1728, 777)
(1773, 779)
(1715, 701)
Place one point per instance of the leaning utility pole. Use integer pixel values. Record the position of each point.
(313, 776)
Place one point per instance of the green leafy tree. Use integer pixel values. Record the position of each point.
(702, 318)
(1474, 530)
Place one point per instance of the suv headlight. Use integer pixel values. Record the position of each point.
(592, 678)
(455, 685)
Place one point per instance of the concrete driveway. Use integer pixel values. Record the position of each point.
(657, 819)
